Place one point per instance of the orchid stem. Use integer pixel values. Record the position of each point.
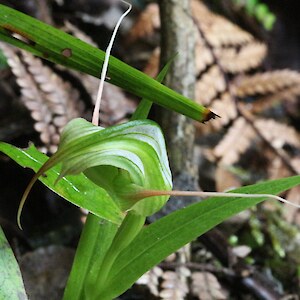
(150, 193)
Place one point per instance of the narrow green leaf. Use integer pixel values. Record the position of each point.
(59, 47)
(11, 283)
(163, 237)
(76, 189)
(145, 105)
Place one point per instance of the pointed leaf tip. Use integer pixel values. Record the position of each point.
(208, 115)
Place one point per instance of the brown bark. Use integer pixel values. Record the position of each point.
(178, 35)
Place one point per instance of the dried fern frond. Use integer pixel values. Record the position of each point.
(226, 180)
(290, 214)
(210, 85)
(74, 30)
(91, 83)
(235, 142)
(217, 30)
(174, 285)
(146, 24)
(277, 134)
(265, 83)
(221, 47)
(225, 107)
(206, 286)
(238, 52)
(151, 279)
(115, 104)
(295, 162)
(241, 133)
(288, 94)
(52, 101)
(235, 60)
(152, 65)
(204, 56)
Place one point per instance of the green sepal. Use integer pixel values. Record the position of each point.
(122, 159)
(78, 190)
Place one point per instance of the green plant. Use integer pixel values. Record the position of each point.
(120, 174)
(259, 10)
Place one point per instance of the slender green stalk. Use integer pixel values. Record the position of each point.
(143, 109)
(131, 226)
(95, 239)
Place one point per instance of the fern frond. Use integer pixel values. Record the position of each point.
(152, 66)
(241, 134)
(146, 24)
(205, 285)
(277, 134)
(204, 56)
(74, 30)
(248, 57)
(226, 107)
(210, 84)
(235, 142)
(151, 279)
(217, 30)
(266, 102)
(52, 101)
(265, 83)
(174, 285)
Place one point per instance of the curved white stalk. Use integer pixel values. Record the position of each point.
(151, 193)
(95, 119)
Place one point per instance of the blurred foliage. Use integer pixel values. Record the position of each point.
(3, 61)
(259, 10)
(275, 243)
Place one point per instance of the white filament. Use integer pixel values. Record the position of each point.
(150, 193)
(239, 195)
(95, 119)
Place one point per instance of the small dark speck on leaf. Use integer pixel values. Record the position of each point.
(44, 175)
(45, 54)
(67, 52)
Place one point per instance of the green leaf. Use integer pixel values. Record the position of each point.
(59, 47)
(158, 240)
(261, 12)
(250, 6)
(122, 159)
(11, 283)
(143, 109)
(269, 21)
(76, 189)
